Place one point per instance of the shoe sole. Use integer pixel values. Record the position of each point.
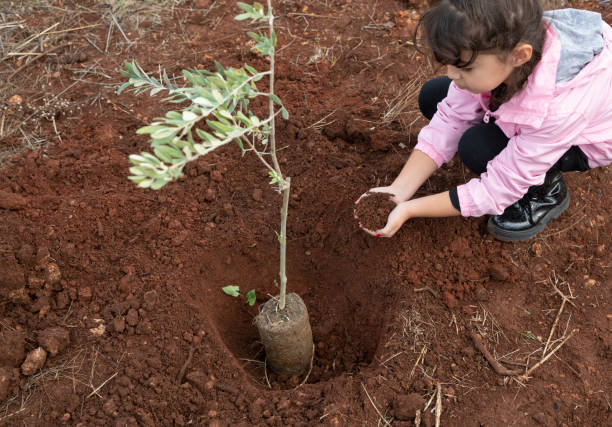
(517, 236)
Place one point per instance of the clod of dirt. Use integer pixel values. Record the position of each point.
(481, 293)
(9, 382)
(19, 297)
(12, 348)
(199, 380)
(25, 254)
(53, 275)
(35, 360)
(54, 340)
(536, 249)
(150, 299)
(498, 272)
(373, 210)
(450, 300)
(11, 201)
(119, 324)
(258, 195)
(406, 406)
(13, 276)
(132, 317)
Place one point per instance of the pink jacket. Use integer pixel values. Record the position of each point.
(542, 121)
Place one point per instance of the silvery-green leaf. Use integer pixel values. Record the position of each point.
(188, 116)
(164, 133)
(145, 184)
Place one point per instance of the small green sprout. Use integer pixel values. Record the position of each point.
(234, 291)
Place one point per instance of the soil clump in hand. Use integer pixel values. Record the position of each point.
(373, 210)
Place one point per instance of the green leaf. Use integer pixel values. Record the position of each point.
(284, 113)
(275, 98)
(245, 6)
(250, 297)
(231, 290)
(243, 16)
(189, 116)
(164, 133)
(149, 129)
(250, 69)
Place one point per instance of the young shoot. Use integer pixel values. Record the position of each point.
(234, 291)
(214, 111)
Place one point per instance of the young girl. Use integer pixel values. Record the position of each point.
(528, 95)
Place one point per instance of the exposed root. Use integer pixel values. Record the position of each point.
(497, 367)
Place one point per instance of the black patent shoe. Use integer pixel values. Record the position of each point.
(529, 216)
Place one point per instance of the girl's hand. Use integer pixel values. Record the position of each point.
(396, 219)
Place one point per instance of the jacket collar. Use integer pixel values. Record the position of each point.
(530, 105)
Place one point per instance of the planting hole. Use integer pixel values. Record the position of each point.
(345, 303)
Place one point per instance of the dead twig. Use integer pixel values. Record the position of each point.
(417, 361)
(36, 57)
(102, 385)
(375, 407)
(439, 405)
(525, 376)
(497, 367)
(428, 289)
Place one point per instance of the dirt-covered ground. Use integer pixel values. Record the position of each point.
(111, 309)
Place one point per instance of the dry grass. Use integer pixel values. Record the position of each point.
(87, 372)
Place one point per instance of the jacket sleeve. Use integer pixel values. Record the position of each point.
(456, 113)
(522, 164)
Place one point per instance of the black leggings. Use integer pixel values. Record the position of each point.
(481, 143)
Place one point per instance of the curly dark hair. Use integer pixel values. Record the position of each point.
(492, 26)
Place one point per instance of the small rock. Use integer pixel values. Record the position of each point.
(15, 99)
(35, 360)
(119, 324)
(132, 317)
(258, 195)
(590, 283)
(54, 340)
(537, 249)
(98, 330)
(405, 406)
(52, 274)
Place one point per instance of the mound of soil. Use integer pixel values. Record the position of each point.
(373, 210)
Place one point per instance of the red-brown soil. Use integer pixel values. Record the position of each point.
(122, 287)
(373, 210)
